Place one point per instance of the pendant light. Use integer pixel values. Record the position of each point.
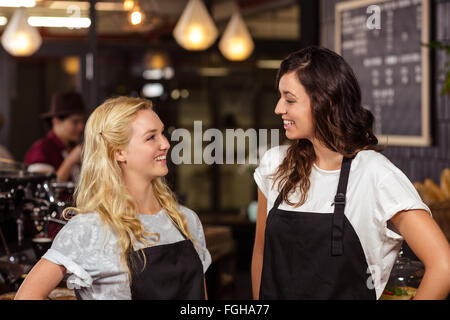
(195, 30)
(71, 65)
(128, 5)
(236, 43)
(19, 38)
(136, 16)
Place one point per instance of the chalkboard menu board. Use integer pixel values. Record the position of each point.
(382, 42)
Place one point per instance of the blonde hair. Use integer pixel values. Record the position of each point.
(101, 188)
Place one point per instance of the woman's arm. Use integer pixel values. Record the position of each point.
(42, 279)
(258, 247)
(430, 245)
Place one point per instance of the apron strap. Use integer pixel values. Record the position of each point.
(277, 202)
(176, 226)
(339, 206)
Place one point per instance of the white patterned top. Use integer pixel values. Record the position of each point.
(88, 249)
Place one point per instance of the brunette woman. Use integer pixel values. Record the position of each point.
(333, 211)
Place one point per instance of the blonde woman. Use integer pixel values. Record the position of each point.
(130, 239)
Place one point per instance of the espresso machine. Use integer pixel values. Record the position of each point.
(31, 206)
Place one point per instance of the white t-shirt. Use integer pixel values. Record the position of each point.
(376, 191)
(88, 249)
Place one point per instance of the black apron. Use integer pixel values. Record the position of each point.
(172, 271)
(310, 255)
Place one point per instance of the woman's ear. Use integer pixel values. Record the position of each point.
(120, 156)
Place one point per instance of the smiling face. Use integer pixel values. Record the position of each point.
(145, 154)
(294, 107)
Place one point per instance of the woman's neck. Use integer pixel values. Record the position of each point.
(143, 194)
(326, 159)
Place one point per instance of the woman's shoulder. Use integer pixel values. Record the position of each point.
(86, 220)
(272, 158)
(375, 162)
(277, 151)
(193, 222)
(81, 231)
(191, 215)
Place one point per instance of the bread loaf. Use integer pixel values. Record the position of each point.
(426, 195)
(434, 189)
(445, 182)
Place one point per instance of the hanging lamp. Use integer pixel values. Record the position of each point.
(128, 4)
(136, 16)
(236, 43)
(19, 38)
(195, 30)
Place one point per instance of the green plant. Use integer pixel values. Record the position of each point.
(441, 46)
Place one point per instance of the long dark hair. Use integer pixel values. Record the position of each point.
(340, 121)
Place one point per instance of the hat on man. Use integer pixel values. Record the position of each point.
(65, 103)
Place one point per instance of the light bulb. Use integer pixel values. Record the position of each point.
(195, 30)
(237, 47)
(195, 34)
(236, 43)
(128, 4)
(71, 65)
(21, 42)
(19, 38)
(136, 17)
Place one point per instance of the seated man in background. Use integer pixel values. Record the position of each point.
(59, 151)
